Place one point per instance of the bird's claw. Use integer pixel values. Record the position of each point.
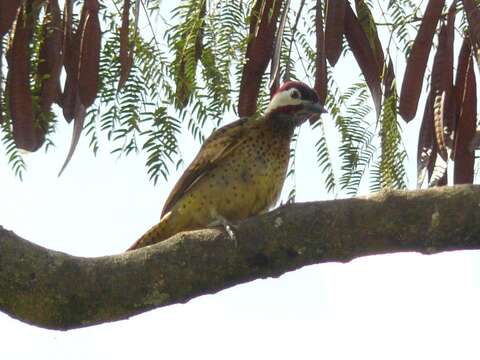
(230, 232)
(227, 226)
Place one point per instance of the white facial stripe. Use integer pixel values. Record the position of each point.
(282, 99)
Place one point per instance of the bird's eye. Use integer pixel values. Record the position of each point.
(295, 94)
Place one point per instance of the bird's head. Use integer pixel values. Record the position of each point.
(296, 99)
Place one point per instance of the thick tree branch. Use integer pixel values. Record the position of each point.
(55, 290)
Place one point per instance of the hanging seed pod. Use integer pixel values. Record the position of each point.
(8, 13)
(334, 22)
(125, 55)
(417, 60)
(425, 152)
(473, 17)
(464, 57)
(275, 63)
(51, 57)
(89, 60)
(320, 56)
(26, 132)
(263, 22)
(79, 119)
(367, 22)
(72, 42)
(466, 129)
(366, 58)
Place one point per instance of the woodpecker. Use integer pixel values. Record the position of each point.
(240, 169)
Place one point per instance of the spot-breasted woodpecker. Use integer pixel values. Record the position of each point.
(240, 170)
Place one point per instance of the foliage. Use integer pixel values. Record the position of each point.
(187, 72)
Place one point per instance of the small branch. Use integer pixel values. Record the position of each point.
(294, 32)
(412, 20)
(58, 291)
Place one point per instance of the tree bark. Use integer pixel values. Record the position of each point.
(54, 290)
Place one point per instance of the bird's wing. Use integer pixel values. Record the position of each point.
(216, 148)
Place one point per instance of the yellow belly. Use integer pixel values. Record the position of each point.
(248, 183)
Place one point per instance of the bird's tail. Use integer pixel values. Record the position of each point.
(162, 231)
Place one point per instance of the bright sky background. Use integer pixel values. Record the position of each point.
(402, 306)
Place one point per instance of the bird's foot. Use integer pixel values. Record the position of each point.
(229, 230)
(228, 226)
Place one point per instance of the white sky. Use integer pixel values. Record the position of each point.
(391, 306)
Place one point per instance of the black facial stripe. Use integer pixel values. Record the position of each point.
(308, 94)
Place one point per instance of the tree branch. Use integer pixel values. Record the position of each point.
(58, 291)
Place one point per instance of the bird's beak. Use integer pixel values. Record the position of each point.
(316, 109)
